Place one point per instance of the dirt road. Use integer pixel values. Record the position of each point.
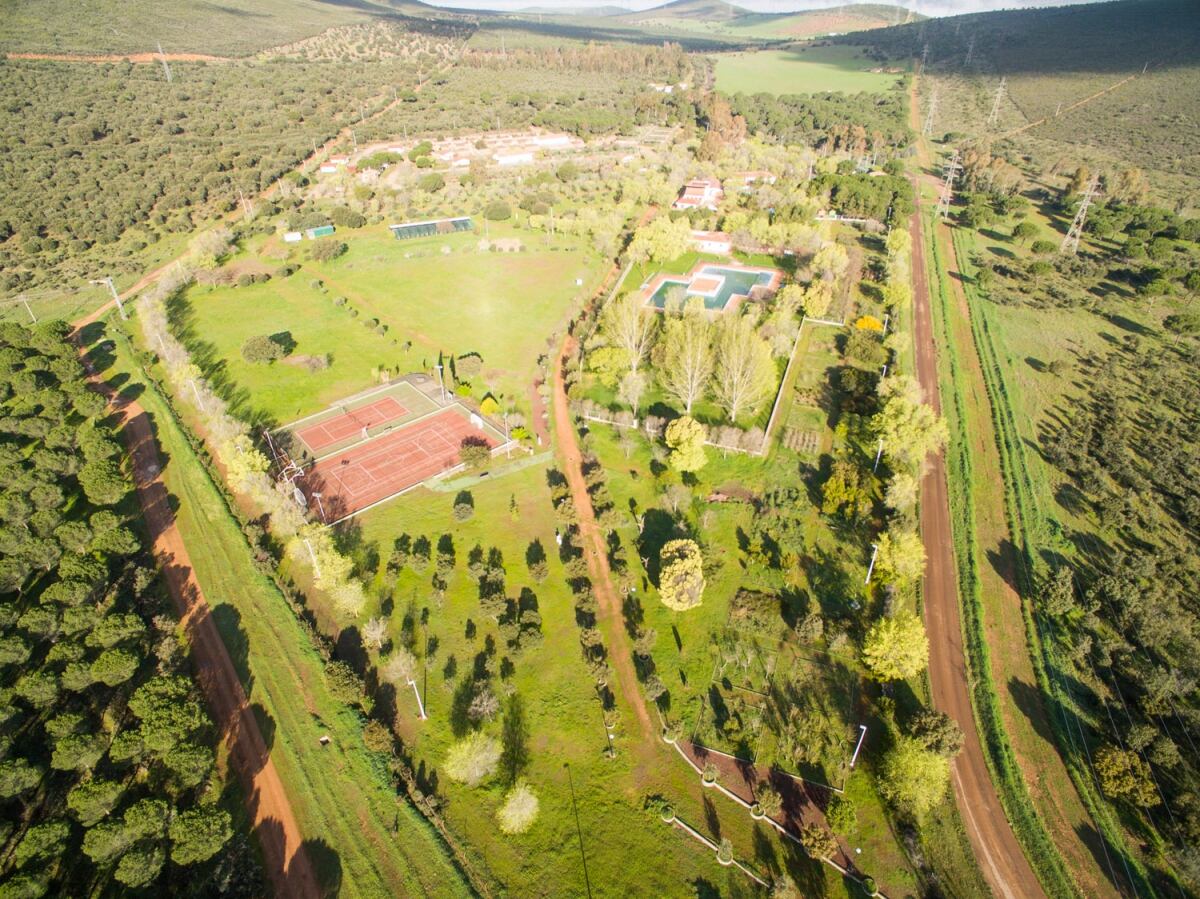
(1000, 855)
(287, 863)
(620, 651)
(140, 58)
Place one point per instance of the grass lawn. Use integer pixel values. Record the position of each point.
(360, 834)
(801, 70)
(624, 845)
(501, 306)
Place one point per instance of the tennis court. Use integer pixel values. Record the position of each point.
(355, 419)
(372, 471)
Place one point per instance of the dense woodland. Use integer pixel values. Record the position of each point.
(92, 154)
(106, 753)
(856, 123)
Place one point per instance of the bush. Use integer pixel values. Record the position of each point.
(497, 211)
(262, 349)
(464, 506)
(432, 182)
(345, 217)
(327, 249)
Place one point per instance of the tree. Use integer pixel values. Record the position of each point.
(841, 815)
(745, 371)
(102, 482)
(473, 759)
(630, 326)
(937, 732)
(1024, 232)
(42, 841)
(263, 348)
(896, 648)
(901, 557)
(198, 834)
(909, 428)
(661, 240)
(520, 809)
(913, 778)
(681, 575)
(1125, 775)
(849, 491)
(326, 249)
(770, 803)
(497, 211)
(474, 452)
(818, 842)
(687, 363)
(685, 439)
(514, 739)
(633, 385)
(375, 632)
(17, 776)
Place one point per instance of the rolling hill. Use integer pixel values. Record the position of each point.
(734, 21)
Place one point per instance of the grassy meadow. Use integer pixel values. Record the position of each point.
(424, 301)
(801, 70)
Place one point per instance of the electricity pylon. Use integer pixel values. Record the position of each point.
(933, 100)
(1070, 243)
(947, 194)
(994, 115)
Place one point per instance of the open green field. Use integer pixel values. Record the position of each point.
(801, 70)
(426, 301)
(362, 837)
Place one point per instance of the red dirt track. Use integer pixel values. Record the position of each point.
(351, 423)
(1000, 856)
(352, 480)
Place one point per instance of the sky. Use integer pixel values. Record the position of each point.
(926, 7)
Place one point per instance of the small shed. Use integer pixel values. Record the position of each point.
(292, 237)
(322, 231)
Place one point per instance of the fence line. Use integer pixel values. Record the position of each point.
(786, 374)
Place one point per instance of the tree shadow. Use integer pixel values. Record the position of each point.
(1029, 700)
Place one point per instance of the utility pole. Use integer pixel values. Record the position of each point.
(247, 209)
(1070, 243)
(947, 195)
(25, 302)
(162, 57)
(994, 115)
(933, 101)
(116, 296)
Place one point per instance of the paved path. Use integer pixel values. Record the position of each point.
(1000, 855)
(287, 863)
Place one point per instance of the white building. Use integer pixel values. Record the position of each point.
(718, 243)
(700, 193)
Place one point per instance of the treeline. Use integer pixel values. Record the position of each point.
(855, 123)
(107, 777)
(89, 152)
(667, 62)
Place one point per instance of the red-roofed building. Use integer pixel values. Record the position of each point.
(700, 193)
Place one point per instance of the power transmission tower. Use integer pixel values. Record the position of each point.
(994, 115)
(1070, 243)
(924, 57)
(947, 195)
(162, 57)
(933, 100)
(970, 51)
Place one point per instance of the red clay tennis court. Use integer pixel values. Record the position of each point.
(359, 477)
(350, 423)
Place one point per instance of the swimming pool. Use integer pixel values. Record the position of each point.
(715, 284)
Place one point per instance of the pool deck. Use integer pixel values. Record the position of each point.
(703, 285)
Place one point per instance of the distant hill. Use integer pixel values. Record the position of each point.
(1055, 58)
(597, 11)
(225, 28)
(729, 19)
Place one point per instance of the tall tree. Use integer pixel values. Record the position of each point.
(687, 358)
(745, 371)
(628, 324)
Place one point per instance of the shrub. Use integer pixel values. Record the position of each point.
(520, 809)
(345, 217)
(473, 759)
(464, 505)
(262, 348)
(327, 249)
(497, 211)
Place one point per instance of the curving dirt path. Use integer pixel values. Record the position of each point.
(996, 847)
(287, 863)
(620, 651)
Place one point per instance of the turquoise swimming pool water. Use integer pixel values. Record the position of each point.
(737, 283)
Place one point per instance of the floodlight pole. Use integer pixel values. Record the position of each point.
(507, 447)
(871, 568)
(878, 455)
(441, 383)
(116, 296)
(861, 736)
(320, 506)
(312, 555)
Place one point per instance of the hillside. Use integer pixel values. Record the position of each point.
(733, 21)
(230, 28)
(693, 10)
(1055, 58)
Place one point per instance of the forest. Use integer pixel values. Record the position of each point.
(107, 756)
